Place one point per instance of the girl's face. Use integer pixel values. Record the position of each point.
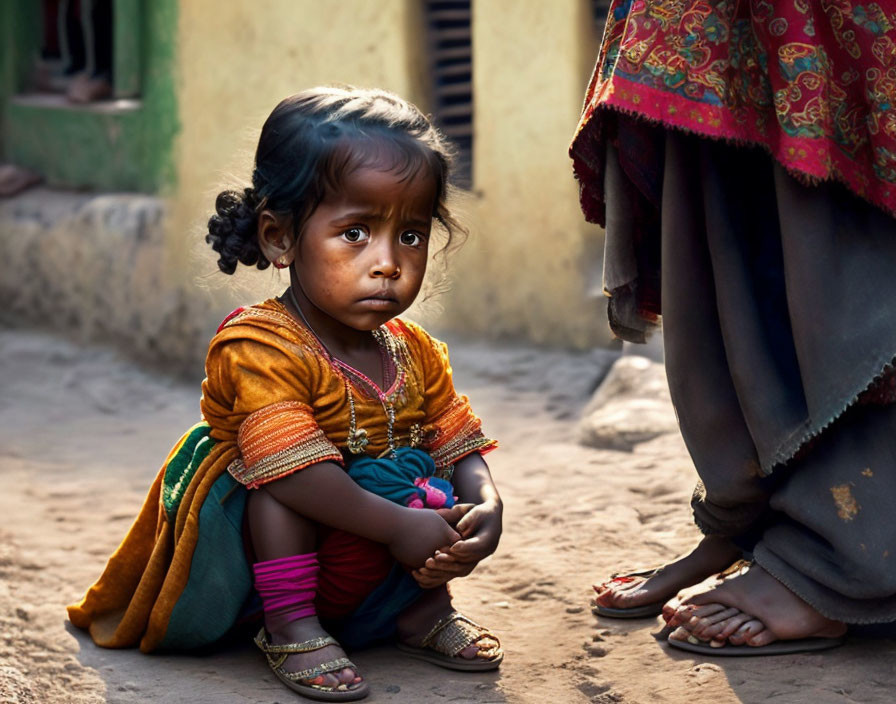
(361, 256)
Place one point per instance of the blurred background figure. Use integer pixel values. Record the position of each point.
(76, 56)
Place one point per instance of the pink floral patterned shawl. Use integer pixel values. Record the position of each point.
(811, 81)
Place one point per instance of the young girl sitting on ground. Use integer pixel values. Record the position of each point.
(329, 424)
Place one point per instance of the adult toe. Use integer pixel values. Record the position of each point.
(764, 637)
(748, 630)
(722, 629)
(708, 625)
(690, 615)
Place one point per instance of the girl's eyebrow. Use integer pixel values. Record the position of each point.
(379, 217)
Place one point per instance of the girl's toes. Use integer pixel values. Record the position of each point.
(470, 652)
(487, 645)
(348, 676)
(328, 680)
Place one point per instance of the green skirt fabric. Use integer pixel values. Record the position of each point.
(219, 591)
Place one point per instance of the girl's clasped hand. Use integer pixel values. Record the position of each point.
(479, 529)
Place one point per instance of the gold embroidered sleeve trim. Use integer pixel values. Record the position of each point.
(456, 433)
(278, 440)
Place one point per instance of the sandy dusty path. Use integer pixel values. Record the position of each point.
(82, 433)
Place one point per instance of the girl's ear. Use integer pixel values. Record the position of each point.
(276, 238)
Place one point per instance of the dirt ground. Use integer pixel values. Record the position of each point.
(83, 431)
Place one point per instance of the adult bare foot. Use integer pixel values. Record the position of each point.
(712, 554)
(673, 613)
(416, 622)
(305, 629)
(749, 607)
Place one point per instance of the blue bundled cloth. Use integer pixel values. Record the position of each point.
(405, 477)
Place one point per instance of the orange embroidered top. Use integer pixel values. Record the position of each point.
(272, 388)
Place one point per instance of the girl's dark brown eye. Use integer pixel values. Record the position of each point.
(412, 239)
(354, 234)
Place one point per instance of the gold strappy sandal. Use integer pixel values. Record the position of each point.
(448, 637)
(277, 654)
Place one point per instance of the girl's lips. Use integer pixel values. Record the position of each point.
(379, 301)
(381, 296)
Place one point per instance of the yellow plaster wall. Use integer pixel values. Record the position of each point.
(528, 266)
(533, 265)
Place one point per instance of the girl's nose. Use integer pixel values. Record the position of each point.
(385, 264)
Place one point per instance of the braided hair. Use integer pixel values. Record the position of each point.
(307, 144)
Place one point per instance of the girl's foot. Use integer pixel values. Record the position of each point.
(749, 607)
(306, 629)
(417, 621)
(712, 554)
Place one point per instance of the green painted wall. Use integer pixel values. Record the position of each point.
(108, 146)
(19, 36)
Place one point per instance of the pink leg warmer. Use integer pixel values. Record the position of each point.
(287, 587)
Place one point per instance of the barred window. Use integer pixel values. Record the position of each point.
(449, 35)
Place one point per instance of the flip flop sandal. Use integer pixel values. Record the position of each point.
(643, 611)
(277, 654)
(447, 638)
(779, 647)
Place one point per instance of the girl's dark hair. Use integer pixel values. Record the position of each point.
(307, 144)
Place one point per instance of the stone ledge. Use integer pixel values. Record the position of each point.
(93, 265)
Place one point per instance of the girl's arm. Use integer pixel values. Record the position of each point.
(473, 482)
(324, 493)
(480, 528)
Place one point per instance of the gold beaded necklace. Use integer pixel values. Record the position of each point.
(357, 437)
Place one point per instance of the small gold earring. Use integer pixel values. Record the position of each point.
(282, 262)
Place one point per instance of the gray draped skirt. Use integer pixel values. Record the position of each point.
(778, 306)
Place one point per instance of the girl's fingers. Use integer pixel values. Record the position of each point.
(428, 580)
(467, 550)
(467, 524)
(455, 513)
(441, 562)
(453, 569)
(440, 572)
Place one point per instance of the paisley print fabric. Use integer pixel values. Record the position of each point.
(812, 81)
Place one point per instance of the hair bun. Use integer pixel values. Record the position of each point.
(233, 230)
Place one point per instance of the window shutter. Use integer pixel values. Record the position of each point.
(448, 24)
